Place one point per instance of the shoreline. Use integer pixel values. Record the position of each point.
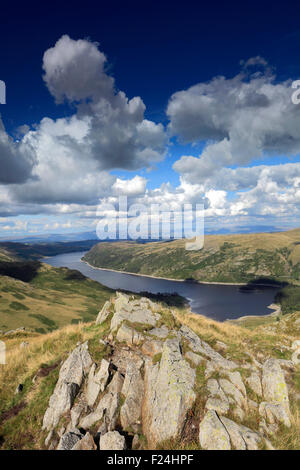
(181, 280)
(276, 311)
(166, 278)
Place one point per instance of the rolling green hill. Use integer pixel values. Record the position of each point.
(224, 258)
(43, 298)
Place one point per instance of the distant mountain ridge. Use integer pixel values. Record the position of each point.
(224, 258)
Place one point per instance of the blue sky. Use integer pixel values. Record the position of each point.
(122, 99)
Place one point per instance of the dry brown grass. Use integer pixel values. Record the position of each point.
(42, 349)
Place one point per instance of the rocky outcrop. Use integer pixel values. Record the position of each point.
(97, 381)
(69, 382)
(129, 335)
(69, 440)
(220, 433)
(133, 391)
(157, 381)
(86, 443)
(213, 434)
(104, 313)
(143, 312)
(254, 382)
(275, 409)
(197, 345)
(169, 394)
(112, 441)
(273, 383)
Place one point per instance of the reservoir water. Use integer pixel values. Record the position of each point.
(219, 302)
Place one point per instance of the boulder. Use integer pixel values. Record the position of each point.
(151, 348)
(274, 413)
(125, 310)
(86, 443)
(218, 405)
(233, 393)
(214, 390)
(76, 412)
(161, 332)
(121, 302)
(168, 394)
(196, 359)
(71, 376)
(112, 441)
(236, 379)
(108, 407)
(129, 335)
(69, 439)
(104, 313)
(97, 381)
(267, 429)
(273, 383)
(200, 346)
(133, 390)
(241, 437)
(254, 382)
(212, 433)
(121, 357)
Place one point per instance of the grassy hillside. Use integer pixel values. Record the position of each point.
(6, 255)
(21, 415)
(39, 250)
(51, 297)
(224, 258)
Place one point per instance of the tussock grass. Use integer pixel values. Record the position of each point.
(24, 429)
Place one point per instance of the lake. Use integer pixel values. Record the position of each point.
(219, 302)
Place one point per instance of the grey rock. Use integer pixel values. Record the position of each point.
(218, 405)
(49, 437)
(112, 441)
(125, 311)
(254, 382)
(76, 412)
(231, 391)
(242, 438)
(161, 332)
(108, 407)
(86, 443)
(236, 379)
(133, 390)
(214, 390)
(273, 383)
(151, 348)
(68, 440)
(71, 376)
(104, 313)
(196, 359)
(200, 346)
(213, 434)
(129, 335)
(168, 394)
(275, 412)
(97, 381)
